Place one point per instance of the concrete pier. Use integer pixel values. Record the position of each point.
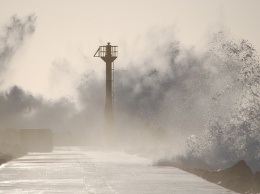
(90, 170)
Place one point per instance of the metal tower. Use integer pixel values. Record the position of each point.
(108, 53)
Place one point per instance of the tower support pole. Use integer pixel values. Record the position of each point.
(109, 96)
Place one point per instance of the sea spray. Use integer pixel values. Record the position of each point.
(234, 134)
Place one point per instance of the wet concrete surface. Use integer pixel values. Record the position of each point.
(91, 170)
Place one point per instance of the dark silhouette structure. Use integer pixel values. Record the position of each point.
(108, 53)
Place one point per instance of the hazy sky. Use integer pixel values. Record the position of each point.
(68, 33)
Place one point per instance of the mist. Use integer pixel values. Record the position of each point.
(163, 84)
(167, 96)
